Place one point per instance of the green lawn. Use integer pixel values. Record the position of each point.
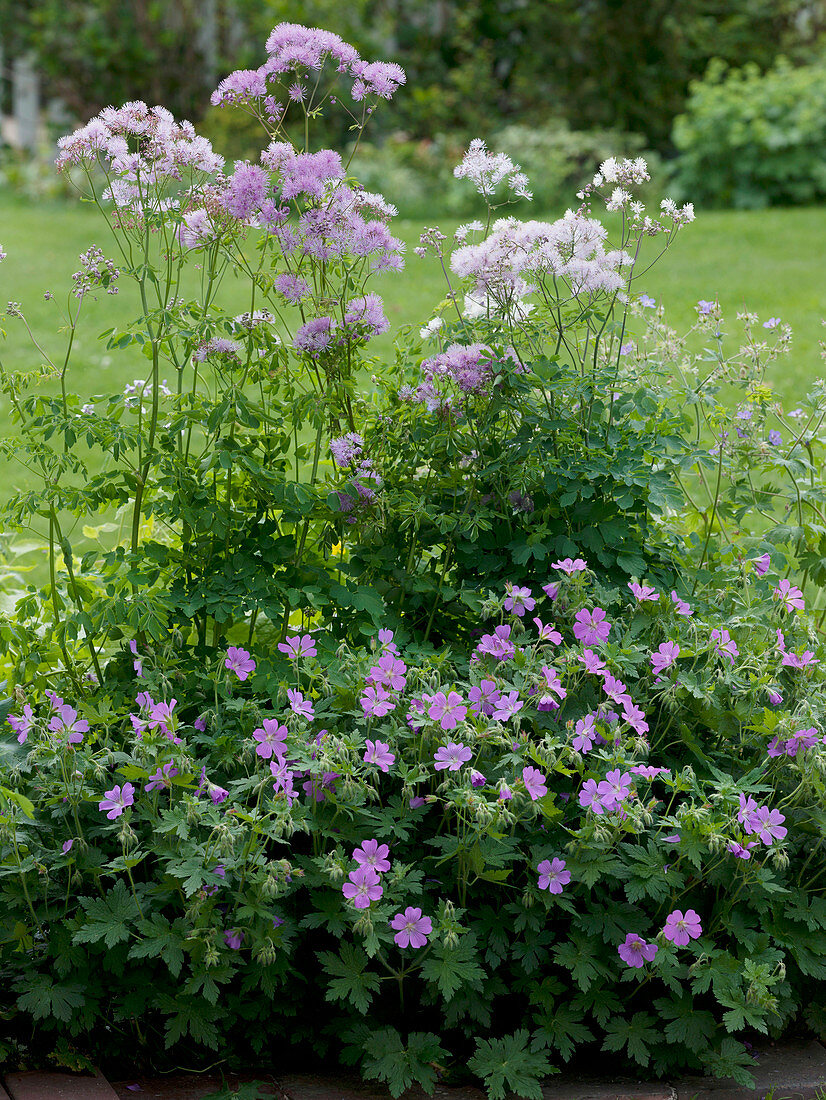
(766, 261)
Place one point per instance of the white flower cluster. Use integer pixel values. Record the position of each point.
(487, 170)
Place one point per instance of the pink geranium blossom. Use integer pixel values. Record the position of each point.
(643, 592)
(448, 710)
(372, 854)
(553, 875)
(363, 887)
(635, 951)
(412, 929)
(240, 662)
(117, 800)
(570, 565)
(270, 736)
(67, 722)
(483, 698)
(298, 646)
(591, 627)
(299, 705)
(789, 596)
(378, 753)
(450, 757)
(518, 600)
(535, 783)
(680, 928)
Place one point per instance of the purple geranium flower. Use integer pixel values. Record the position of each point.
(163, 777)
(497, 644)
(518, 600)
(725, 644)
(680, 606)
(664, 658)
(66, 721)
(22, 724)
(412, 929)
(591, 627)
(643, 592)
(372, 854)
(635, 951)
(298, 646)
(450, 757)
(239, 662)
(585, 733)
(616, 690)
(363, 887)
(592, 662)
(483, 698)
(535, 783)
(614, 789)
(270, 737)
(553, 876)
(378, 753)
(389, 673)
(447, 710)
(299, 705)
(117, 800)
(569, 566)
(761, 564)
(507, 706)
(376, 702)
(680, 928)
(789, 596)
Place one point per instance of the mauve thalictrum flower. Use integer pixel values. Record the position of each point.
(363, 887)
(239, 662)
(378, 753)
(552, 875)
(412, 929)
(681, 927)
(635, 951)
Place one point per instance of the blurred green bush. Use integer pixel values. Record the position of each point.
(752, 139)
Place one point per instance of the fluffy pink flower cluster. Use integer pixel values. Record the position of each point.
(293, 51)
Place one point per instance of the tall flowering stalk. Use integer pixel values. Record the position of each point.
(220, 459)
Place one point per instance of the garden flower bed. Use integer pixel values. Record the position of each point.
(442, 719)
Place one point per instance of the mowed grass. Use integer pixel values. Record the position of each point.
(770, 262)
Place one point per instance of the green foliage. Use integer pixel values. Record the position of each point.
(750, 139)
(509, 1065)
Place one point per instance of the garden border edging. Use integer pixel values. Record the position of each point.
(794, 1071)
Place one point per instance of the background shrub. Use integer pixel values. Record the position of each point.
(751, 139)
